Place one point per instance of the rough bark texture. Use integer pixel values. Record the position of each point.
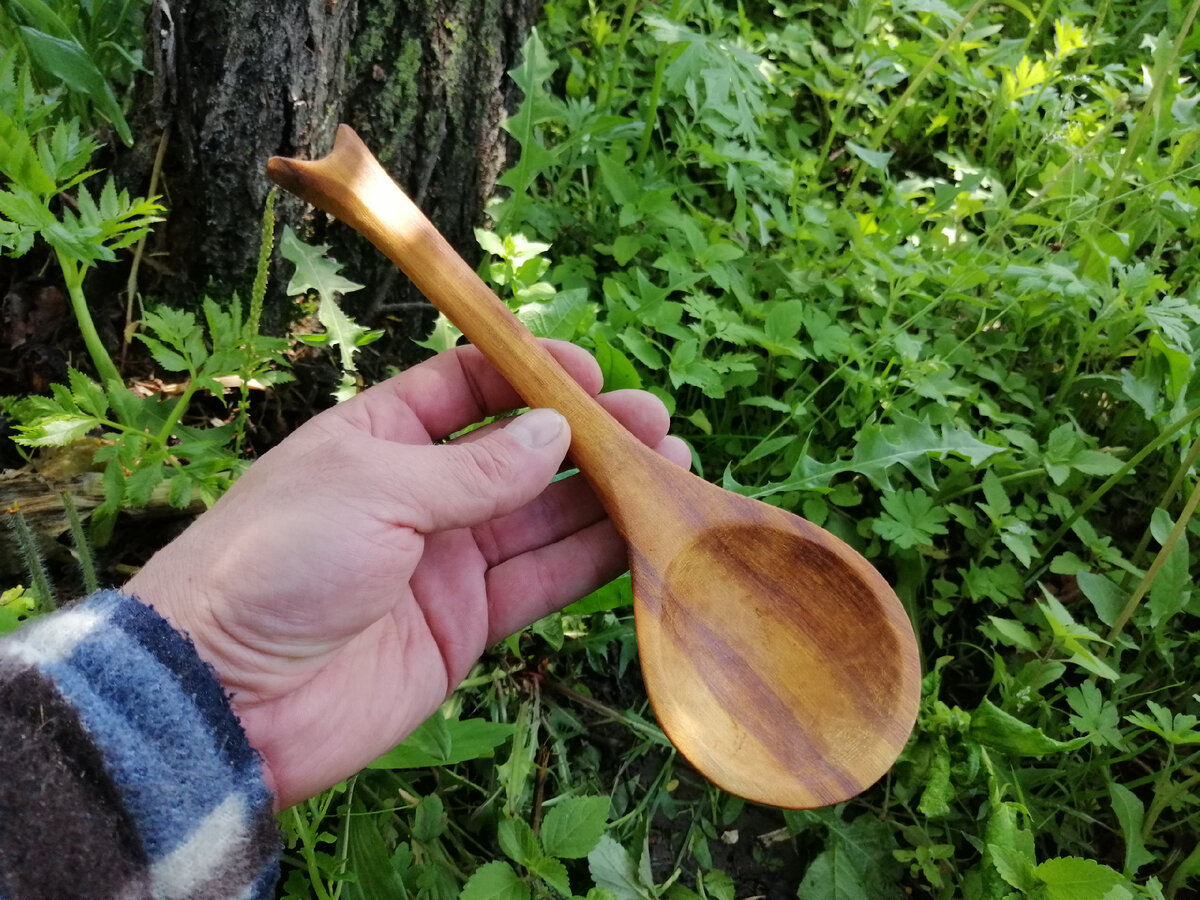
(236, 81)
(239, 80)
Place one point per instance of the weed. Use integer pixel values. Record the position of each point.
(925, 274)
(145, 442)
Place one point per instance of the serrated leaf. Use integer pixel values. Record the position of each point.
(573, 826)
(909, 442)
(857, 863)
(128, 406)
(367, 857)
(1073, 878)
(1012, 865)
(614, 870)
(995, 728)
(910, 519)
(537, 106)
(55, 431)
(429, 819)
(344, 332)
(89, 396)
(554, 873)
(1010, 847)
(563, 317)
(179, 493)
(65, 156)
(176, 327)
(140, 485)
(495, 881)
(464, 739)
(163, 355)
(832, 876)
(314, 270)
(518, 841)
(21, 162)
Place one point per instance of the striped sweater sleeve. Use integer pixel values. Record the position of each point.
(126, 772)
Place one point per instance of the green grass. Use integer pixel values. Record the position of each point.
(926, 275)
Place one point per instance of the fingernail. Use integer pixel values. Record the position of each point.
(536, 428)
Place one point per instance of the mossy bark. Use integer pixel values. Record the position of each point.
(236, 81)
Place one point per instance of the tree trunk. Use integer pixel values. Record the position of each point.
(237, 81)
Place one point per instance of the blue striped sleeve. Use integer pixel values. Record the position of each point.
(185, 778)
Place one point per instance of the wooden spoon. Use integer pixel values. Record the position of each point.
(777, 660)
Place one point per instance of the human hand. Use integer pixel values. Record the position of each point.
(346, 584)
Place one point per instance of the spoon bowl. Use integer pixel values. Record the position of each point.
(777, 660)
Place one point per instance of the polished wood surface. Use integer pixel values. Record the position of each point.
(777, 660)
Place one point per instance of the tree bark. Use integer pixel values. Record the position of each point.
(236, 81)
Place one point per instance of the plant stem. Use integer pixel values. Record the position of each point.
(310, 860)
(35, 566)
(1165, 794)
(606, 89)
(73, 273)
(655, 735)
(83, 551)
(1147, 114)
(1185, 870)
(131, 283)
(1094, 497)
(177, 411)
(1164, 501)
(885, 126)
(1011, 478)
(1071, 374)
(1148, 579)
(651, 114)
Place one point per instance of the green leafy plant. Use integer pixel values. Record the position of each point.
(146, 445)
(21, 603)
(16, 605)
(87, 51)
(145, 441)
(923, 272)
(926, 274)
(42, 161)
(317, 273)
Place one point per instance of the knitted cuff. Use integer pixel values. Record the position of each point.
(135, 778)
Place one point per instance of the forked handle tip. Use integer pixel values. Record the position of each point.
(351, 185)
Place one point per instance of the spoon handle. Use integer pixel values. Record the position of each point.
(351, 185)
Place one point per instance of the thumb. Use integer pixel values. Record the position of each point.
(462, 484)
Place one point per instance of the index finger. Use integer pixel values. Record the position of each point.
(452, 390)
